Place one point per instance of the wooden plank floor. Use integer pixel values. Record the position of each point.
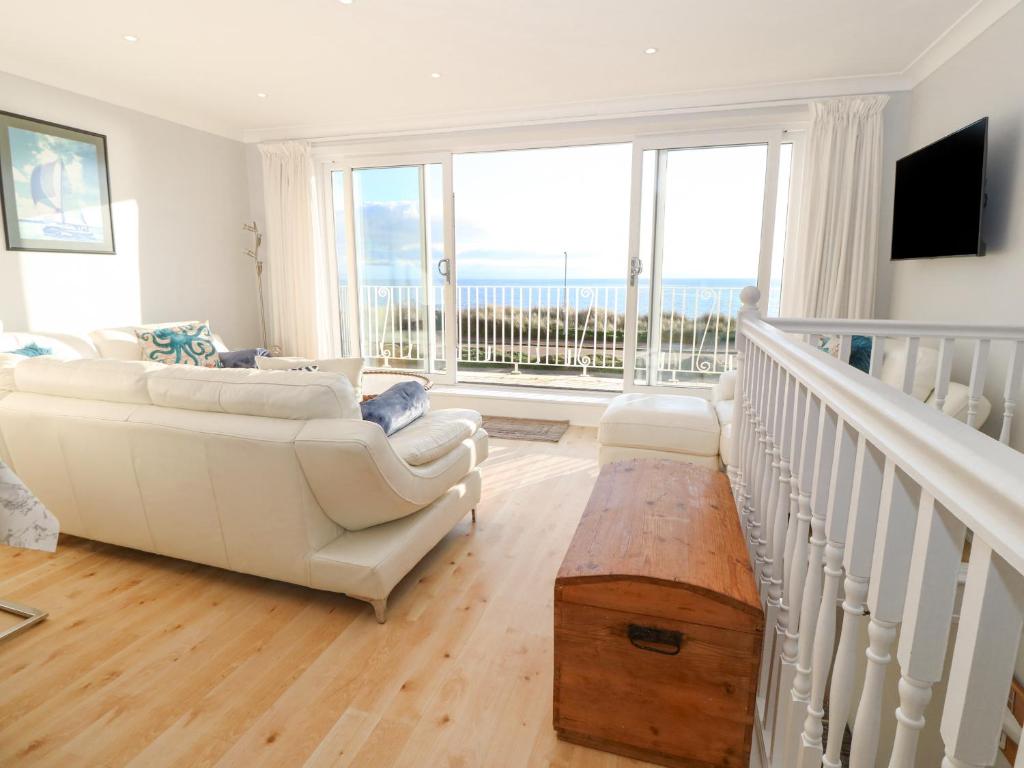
(149, 661)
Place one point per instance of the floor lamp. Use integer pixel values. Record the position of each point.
(254, 254)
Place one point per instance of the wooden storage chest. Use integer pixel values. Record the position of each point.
(658, 624)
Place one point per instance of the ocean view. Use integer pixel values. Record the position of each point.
(689, 297)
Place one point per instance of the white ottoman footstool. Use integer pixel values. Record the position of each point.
(675, 427)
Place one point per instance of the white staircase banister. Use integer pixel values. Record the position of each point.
(939, 453)
(822, 327)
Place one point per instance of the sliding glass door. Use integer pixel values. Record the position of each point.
(608, 267)
(708, 225)
(393, 269)
(542, 237)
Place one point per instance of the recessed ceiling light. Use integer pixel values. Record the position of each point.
(435, 75)
(650, 51)
(261, 95)
(131, 38)
(345, 2)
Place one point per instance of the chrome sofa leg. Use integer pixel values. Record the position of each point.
(31, 616)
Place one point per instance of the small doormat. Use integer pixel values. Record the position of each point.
(507, 428)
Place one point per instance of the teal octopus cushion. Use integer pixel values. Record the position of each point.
(190, 344)
(32, 350)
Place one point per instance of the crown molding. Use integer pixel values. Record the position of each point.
(610, 109)
(960, 34)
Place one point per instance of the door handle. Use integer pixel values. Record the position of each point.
(636, 266)
(444, 269)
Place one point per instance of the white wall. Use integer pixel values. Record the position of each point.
(985, 78)
(179, 198)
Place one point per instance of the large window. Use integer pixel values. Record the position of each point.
(541, 240)
(540, 267)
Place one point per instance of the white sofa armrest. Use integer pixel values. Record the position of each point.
(360, 481)
(725, 389)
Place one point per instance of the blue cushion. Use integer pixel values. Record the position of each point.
(32, 350)
(242, 358)
(397, 407)
(860, 353)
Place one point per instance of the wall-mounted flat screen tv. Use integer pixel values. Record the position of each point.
(940, 196)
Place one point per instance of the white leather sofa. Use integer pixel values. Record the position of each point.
(271, 473)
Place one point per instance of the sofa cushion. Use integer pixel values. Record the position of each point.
(895, 362)
(674, 423)
(7, 363)
(61, 346)
(274, 394)
(123, 344)
(434, 435)
(117, 381)
(958, 401)
(350, 367)
(725, 388)
(190, 344)
(727, 445)
(724, 411)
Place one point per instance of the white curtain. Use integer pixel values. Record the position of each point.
(299, 277)
(831, 272)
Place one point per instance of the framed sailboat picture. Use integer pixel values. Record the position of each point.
(54, 187)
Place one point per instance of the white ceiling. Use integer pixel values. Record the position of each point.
(334, 68)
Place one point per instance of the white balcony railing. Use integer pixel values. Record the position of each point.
(579, 329)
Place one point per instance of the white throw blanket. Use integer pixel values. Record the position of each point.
(24, 521)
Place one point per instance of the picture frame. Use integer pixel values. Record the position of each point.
(54, 187)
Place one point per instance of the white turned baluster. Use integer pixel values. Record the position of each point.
(839, 497)
(785, 539)
(897, 518)
(877, 354)
(745, 364)
(764, 474)
(860, 543)
(947, 348)
(749, 437)
(749, 298)
(755, 501)
(910, 366)
(927, 615)
(845, 345)
(983, 660)
(806, 456)
(979, 368)
(770, 488)
(1013, 377)
(771, 575)
(746, 426)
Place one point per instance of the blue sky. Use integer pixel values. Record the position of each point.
(517, 211)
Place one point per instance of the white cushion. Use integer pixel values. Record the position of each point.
(117, 381)
(350, 367)
(674, 423)
(724, 411)
(7, 363)
(274, 394)
(61, 346)
(957, 403)
(123, 344)
(434, 435)
(895, 363)
(725, 389)
(727, 445)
